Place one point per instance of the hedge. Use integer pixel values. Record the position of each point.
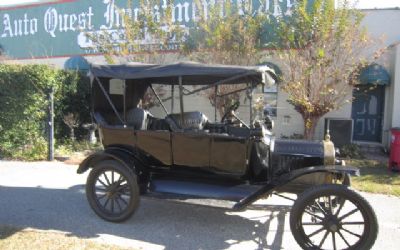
(24, 107)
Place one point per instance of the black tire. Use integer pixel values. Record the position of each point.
(112, 191)
(328, 220)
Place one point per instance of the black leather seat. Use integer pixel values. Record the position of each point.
(157, 124)
(191, 120)
(137, 118)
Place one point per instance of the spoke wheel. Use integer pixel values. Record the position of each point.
(333, 217)
(112, 191)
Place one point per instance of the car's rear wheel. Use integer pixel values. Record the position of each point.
(333, 217)
(112, 191)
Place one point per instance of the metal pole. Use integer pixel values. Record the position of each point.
(215, 103)
(124, 100)
(181, 98)
(51, 124)
(159, 99)
(109, 100)
(210, 86)
(172, 96)
(251, 105)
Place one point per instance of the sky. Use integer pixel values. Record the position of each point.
(363, 4)
(371, 4)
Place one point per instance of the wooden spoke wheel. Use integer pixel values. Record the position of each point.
(112, 191)
(333, 217)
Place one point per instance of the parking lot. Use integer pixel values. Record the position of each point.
(51, 196)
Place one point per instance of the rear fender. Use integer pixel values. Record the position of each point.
(121, 155)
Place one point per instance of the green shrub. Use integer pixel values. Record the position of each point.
(351, 151)
(72, 98)
(32, 152)
(24, 107)
(68, 147)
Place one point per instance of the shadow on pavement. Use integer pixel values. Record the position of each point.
(170, 225)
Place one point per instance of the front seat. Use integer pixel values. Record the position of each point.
(137, 118)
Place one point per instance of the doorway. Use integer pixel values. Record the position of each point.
(367, 112)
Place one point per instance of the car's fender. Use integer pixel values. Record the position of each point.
(123, 156)
(269, 187)
(336, 169)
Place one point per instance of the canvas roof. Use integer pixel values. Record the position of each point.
(192, 73)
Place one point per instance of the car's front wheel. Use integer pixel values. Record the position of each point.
(333, 217)
(112, 191)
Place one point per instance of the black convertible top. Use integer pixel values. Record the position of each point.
(192, 73)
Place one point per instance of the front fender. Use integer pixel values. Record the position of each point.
(269, 187)
(121, 155)
(336, 169)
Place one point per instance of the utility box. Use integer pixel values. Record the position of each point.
(394, 160)
(340, 130)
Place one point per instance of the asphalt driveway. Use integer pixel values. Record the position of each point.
(51, 196)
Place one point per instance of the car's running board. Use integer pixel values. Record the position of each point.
(230, 192)
(224, 196)
(223, 204)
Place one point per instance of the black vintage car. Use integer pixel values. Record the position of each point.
(186, 157)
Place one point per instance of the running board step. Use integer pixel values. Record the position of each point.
(223, 204)
(200, 193)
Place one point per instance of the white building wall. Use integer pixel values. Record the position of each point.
(383, 24)
(395, 90)
(389, 97)
(288, 121)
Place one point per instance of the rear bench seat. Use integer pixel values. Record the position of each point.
(191, 120)
(141, 119)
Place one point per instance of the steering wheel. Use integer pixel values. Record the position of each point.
(231, 108)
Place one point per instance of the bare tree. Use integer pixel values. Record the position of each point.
(322, 49)
(72, 121)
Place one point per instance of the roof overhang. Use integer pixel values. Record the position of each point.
(374, 74)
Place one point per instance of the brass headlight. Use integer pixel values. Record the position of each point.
(329, 152)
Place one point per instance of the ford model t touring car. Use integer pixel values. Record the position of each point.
(188, 157)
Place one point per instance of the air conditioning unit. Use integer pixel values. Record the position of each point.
(340, 129)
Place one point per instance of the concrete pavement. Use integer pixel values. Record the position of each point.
(51, 196)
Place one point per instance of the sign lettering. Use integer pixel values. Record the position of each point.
(59, 29)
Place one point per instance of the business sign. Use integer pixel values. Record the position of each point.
(59, 28)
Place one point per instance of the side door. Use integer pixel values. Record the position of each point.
(367, 113)
(222, 153)
(229, 154)
(155, 143)
(191, 148)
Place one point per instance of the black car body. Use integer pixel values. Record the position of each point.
(187, 157)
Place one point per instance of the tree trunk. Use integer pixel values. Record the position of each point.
(310, 124)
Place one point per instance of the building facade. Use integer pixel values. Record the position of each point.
(371, 114)
(52, 32)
